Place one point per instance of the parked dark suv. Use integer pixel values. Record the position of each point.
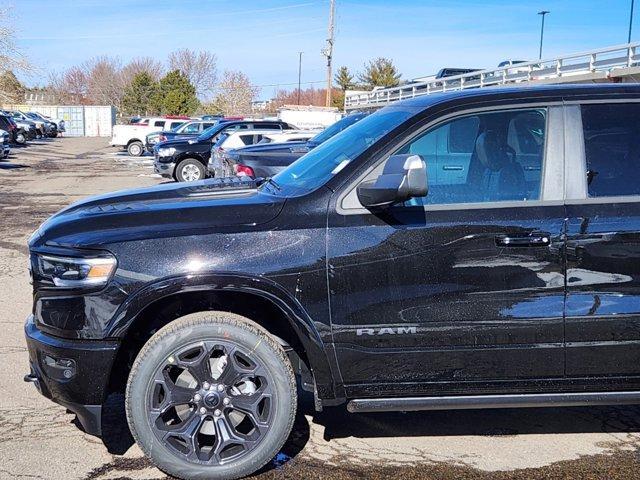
(477, 249)
(185, 159)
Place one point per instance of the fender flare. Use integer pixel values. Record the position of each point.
(299, 320)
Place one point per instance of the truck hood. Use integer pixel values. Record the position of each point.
(165, 210)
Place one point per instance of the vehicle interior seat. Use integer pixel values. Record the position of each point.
(502, 177)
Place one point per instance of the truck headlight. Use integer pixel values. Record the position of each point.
(166, 152)
(69, 272)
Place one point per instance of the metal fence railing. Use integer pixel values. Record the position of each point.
(601, 60)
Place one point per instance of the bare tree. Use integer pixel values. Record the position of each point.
(142, 65)
(234, 94)
(105, 84)
(69, 87)
(199, 67)
(11, 58)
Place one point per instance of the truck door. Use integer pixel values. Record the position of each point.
(463, 289)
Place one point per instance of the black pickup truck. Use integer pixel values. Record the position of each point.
(476, 249)
(186, 159)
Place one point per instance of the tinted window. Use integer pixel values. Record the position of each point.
(612, 149)
(247, 139)
(158, 124)
(268, 126)
(480, 158)
(314, 169)
(192, 128)
(462, 134)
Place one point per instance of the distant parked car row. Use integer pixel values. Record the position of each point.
(242, 148)
(17, 128)
(21, 126)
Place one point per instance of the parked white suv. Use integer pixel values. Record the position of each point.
(132, 137)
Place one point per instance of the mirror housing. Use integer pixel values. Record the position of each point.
(403, 177)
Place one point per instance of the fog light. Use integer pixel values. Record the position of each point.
(59, 368)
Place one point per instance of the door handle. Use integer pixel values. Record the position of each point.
(535, 239)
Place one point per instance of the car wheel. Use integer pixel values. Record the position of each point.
(211, 396)
(135, 149)
(21, 138)
(189, 170)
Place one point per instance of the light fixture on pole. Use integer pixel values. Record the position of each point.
(542, 13)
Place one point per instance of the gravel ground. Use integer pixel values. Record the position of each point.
(38, 439)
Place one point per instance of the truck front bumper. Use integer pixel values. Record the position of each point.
(72, 373)
(164, 169)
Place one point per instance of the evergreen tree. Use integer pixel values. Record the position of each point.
(343, 78)
(380, 72)
(175, 95)
(139, 95)
(10, 87)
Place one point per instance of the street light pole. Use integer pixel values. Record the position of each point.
(542, 13)
(630, 22)
(299, 74)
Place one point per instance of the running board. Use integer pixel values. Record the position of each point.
(413, 404)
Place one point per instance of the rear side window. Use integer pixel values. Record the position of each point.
(612, 149)
(158, 124)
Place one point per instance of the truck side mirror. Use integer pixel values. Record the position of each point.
(403, 177)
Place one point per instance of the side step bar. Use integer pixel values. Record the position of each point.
(464, 402)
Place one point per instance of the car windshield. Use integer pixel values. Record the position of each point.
(314, 169)
(211, 131)
(337, 127)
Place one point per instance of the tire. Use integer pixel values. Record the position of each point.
(189, 170)
(135, 149)
(21, 138)
(254, 362)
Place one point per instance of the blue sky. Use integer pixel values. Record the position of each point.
(263, 38)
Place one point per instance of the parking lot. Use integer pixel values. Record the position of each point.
(38, 439)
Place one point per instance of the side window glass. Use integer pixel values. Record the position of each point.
(247, 139)
(487, 157)
(158, 124)
(192, 128)
(612, 149)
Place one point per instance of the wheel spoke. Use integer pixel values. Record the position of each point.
(199, 367)
(226, 437)
(249, 405)
(188, 432)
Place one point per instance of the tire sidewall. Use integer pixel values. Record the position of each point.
(131, 149)
(186, 161)
(139, 385)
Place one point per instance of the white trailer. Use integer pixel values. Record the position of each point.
(309, 117)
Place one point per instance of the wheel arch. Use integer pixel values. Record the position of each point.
(256, 298)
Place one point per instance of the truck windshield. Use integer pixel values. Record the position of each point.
(314, 169)
(336, 128)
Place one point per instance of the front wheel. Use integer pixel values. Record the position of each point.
(189, 170)
(211, 396)
(135, 149)
(21, 138)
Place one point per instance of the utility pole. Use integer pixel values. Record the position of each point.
(543, 13)
(630, 22)
(328, 50)
(299, 74)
